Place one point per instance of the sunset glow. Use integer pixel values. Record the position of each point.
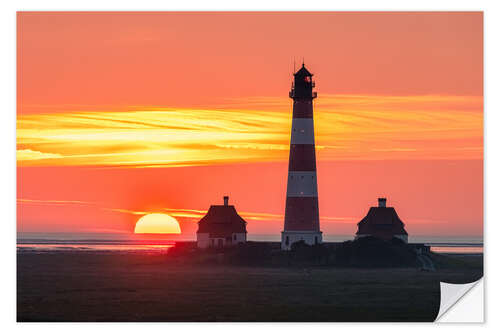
(121, 115)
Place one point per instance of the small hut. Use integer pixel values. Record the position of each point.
(221, 227)
(382, 222)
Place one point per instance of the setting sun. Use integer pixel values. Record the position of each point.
(157, 224)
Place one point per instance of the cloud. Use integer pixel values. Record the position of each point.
(33, 155)
(190, 214)
(347, 127)
(53, 202)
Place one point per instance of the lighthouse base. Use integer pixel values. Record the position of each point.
(309, 237)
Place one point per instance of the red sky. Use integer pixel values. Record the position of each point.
(120, 114)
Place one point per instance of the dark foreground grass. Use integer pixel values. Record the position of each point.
(85, 286)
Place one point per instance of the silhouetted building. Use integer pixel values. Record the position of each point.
(382, 222)
(221, 227)
(301, 210)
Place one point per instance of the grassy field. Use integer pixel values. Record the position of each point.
(80, 286)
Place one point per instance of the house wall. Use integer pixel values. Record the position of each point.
(240, 238)
(203, 240)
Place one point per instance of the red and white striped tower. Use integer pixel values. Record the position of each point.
(301, 211)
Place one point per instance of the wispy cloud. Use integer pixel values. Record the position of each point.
(53, 202)
(126, 211)
(255, 130)
(188, 214)
(33, 155)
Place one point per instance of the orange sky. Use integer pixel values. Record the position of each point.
(120, 114)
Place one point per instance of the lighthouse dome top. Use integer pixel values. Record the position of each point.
(302, 85)
(303, 72)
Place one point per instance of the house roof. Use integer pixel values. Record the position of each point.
(383, 222)
(222, 221)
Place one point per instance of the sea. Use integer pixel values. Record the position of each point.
(48, 242)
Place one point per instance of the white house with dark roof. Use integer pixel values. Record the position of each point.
(221, 227)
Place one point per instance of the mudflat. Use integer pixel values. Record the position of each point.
(146, 286)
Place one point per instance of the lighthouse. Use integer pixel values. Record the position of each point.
(301, 210)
